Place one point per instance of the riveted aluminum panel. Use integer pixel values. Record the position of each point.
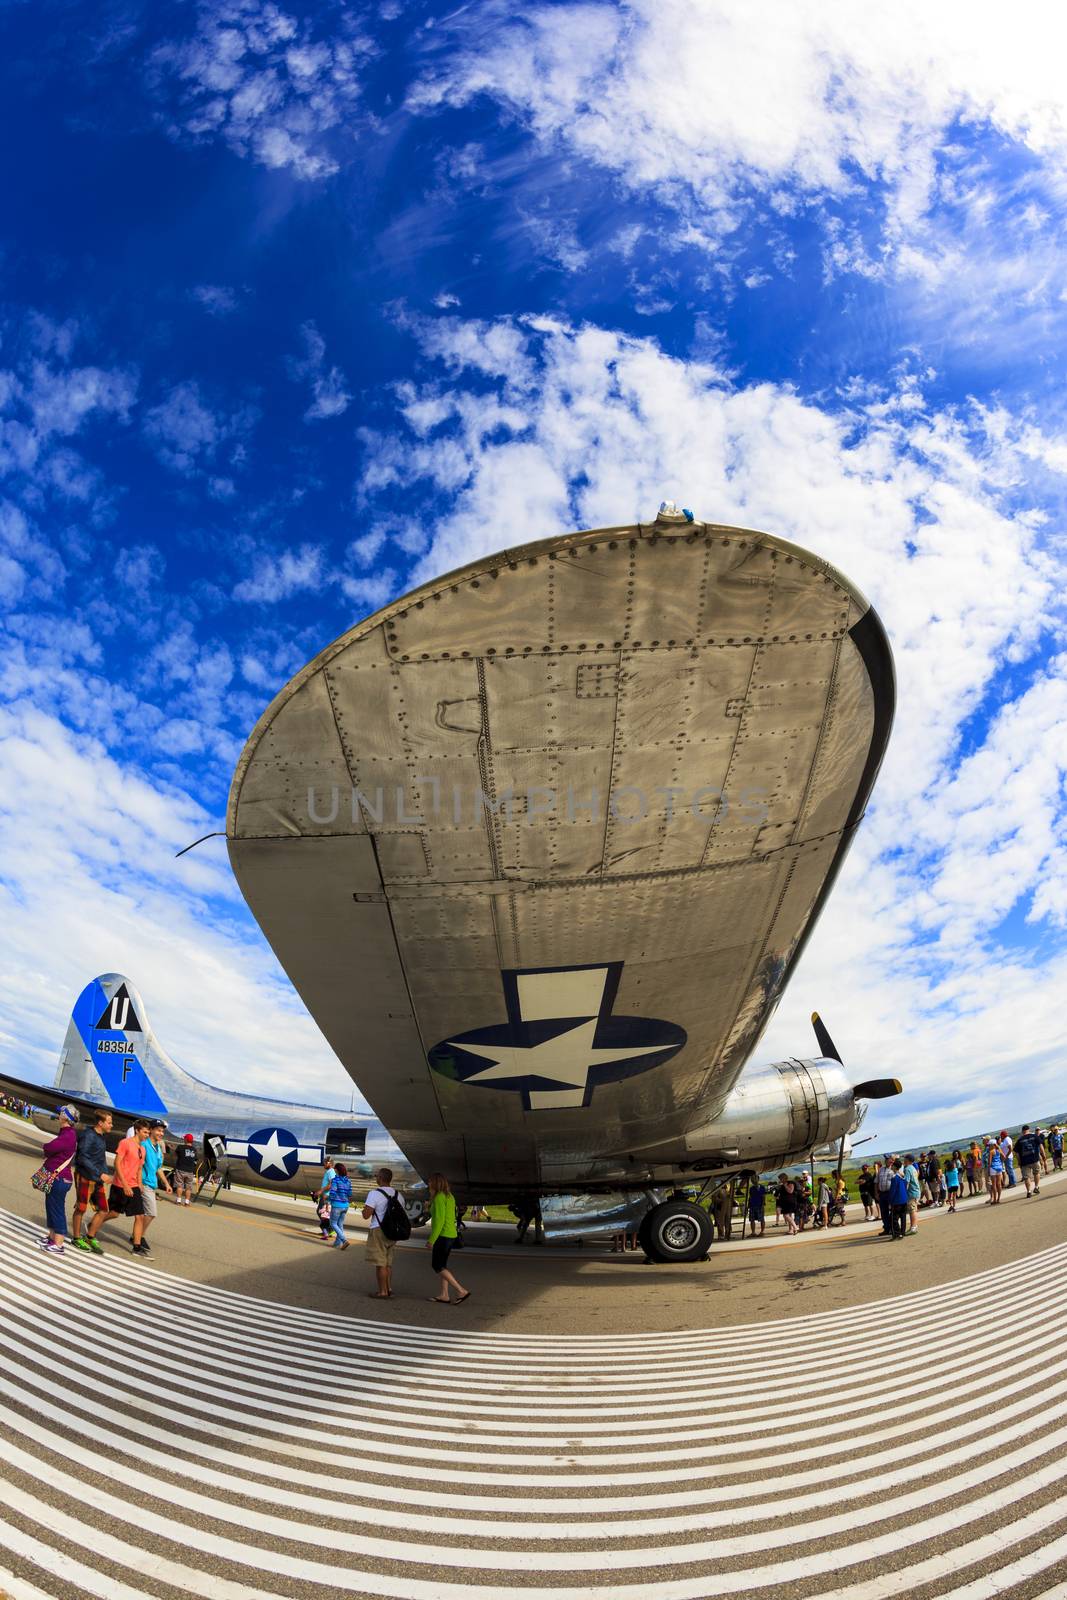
(628, 761)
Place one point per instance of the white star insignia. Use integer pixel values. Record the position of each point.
(272, 1153)
(564, 1059)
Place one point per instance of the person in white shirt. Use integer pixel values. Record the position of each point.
(1007, 1150)
(380, 1250)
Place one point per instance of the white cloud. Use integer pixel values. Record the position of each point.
(139, 571)
(88, 875)
(329, 397)
(187, 435)
(276, 577)
(216, 299)
(257, 78)
(371, 592)
(44, 403)
(542, 426)
(706, 105)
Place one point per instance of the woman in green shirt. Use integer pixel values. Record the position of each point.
(443, 1233)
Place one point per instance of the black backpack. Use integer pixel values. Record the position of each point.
(395, 1223)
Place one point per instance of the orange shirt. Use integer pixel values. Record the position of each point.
(129, 1159)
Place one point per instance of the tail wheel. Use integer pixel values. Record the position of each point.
(677, 1230)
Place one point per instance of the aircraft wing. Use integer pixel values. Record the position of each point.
(539, 843)
(47, 1098)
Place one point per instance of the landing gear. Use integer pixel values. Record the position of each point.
(675, 1230)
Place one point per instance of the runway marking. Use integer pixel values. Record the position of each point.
(711, 1481)
(716, 1443)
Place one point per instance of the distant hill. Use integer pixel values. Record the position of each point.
(946, 1146)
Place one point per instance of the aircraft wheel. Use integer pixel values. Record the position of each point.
(677, 1230)
(644, 1235)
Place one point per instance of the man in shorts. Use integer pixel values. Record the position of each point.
(911, 1179)
(186, 1158)
(90, 1182)
(1028, 1149)
(380, 1250)
(124, 1199)
(152, 1175)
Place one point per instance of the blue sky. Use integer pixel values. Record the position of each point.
(299, 305)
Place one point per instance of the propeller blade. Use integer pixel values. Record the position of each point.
(826, 1044)
(877, 1089)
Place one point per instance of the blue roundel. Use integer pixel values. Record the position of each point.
(273, 1153)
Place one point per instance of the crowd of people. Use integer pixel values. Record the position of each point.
(893, 1190)
(76, 1159)
(388, 1223)
(897, 1188)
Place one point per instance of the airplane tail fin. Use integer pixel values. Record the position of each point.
(110, 1053)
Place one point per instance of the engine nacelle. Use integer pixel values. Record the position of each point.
(775, 1115)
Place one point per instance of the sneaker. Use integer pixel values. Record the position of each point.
(145, 1248)
(137, 1250)
(53, 1249)
(81, 1244)
(94, 1246)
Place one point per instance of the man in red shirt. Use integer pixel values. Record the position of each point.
(125, 1198)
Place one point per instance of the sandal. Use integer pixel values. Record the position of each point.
(461, 1299)
(435, 1300)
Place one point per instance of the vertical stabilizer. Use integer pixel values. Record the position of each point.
(110, 1053)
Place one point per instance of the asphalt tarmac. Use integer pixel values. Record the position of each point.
(234, 1419)
(269, 1246)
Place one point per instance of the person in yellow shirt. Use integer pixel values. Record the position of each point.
(975, 1168)
(443, 1235)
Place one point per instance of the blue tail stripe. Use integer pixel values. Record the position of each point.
(122, 1073)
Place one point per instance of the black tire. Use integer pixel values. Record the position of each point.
(676, 1231)
(644, 1235)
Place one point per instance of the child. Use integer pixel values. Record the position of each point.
(952, 1185)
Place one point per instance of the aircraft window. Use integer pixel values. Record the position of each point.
(346, 1141)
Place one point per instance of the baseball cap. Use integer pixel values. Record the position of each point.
(188, 1138)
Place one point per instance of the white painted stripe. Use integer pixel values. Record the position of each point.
(798, 1441)
(1028, 1567)
(71, 1532)
(135, 1272)
(949, 1563)
(837, 1361)
(789, 1570)
(13, 1588)
(599, 1345)
(107, 1433)
(474, 1407)
(298, 1417)
(196, 1505)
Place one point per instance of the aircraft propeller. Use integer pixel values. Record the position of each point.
(870, 1089)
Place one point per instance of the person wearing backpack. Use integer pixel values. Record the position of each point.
(379, 1213)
